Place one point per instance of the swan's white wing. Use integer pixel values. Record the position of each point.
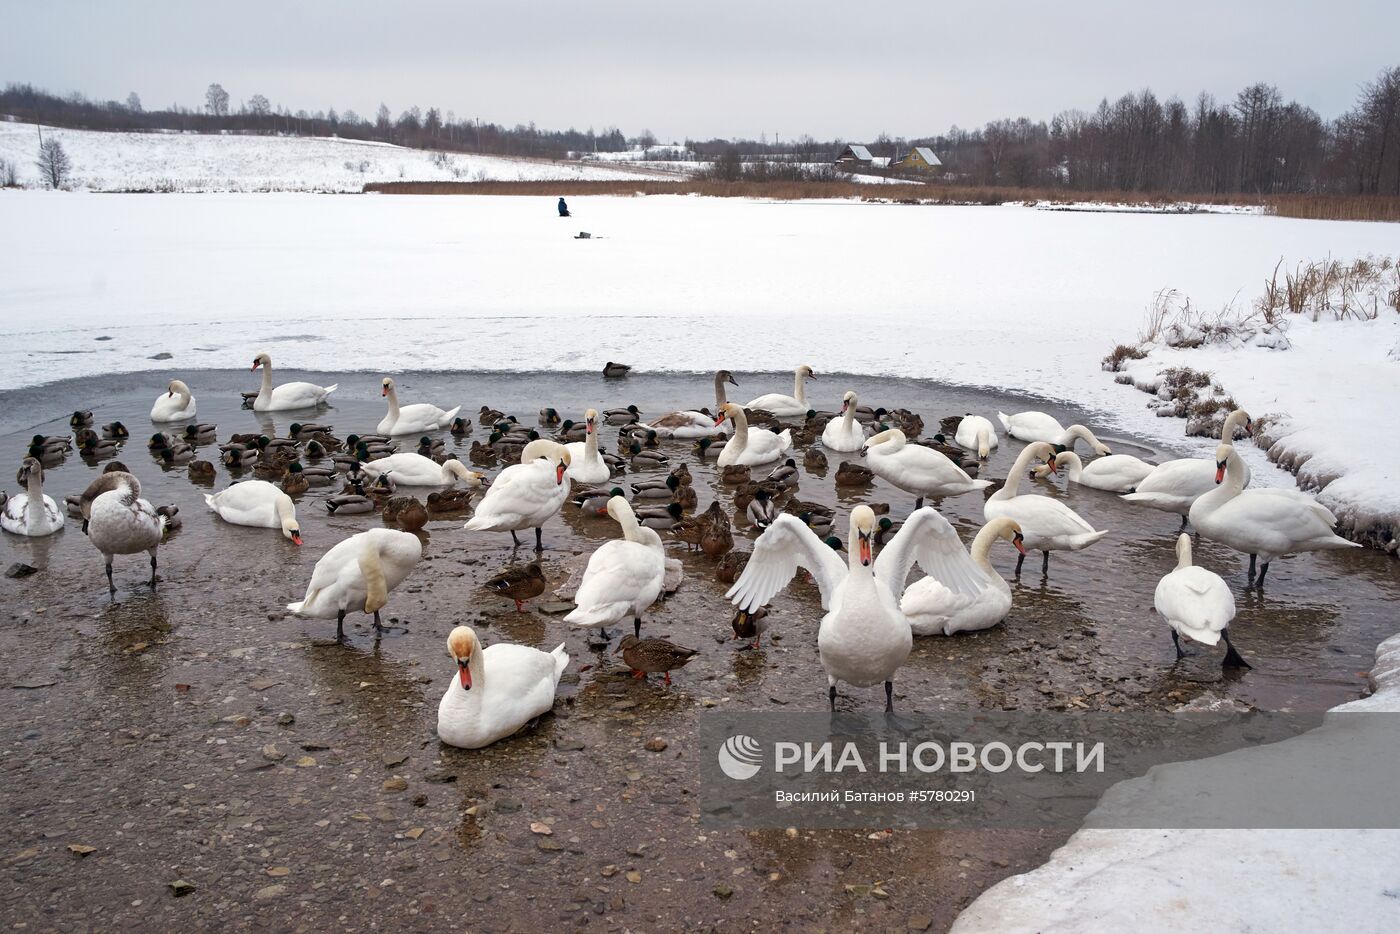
(928, 538)
(785, 546)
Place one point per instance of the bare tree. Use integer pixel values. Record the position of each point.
(9, 177)
(53, 163)
(133, 102)
(216, 100)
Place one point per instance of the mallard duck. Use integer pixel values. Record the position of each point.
(161, 440)
(247, 439)
(431, 448)
(622, 416)
(172, 517)
(375, 442)
(656, 489)
(852, 474)
(682, 473)
(80, 419)
(884, 529)
(481, 455)
(818, 523)
(201, 433)
(47, 457)
(176, 456)
(941, 444)
(731, 566)
(614, 370)
(519, 583)
(52, 441)
(644, 459)
(315, 450)
(249, 399)
(460, 426)
(272, 469)
(716, 539)
(706, 449)
(594, 501)
(489, 416)
(689, 531)
(349, 504)
(295, 482)
(686, 498)
(317, 476)
(406, 512)
(650, 656)
(750, 625)
(661, 517)
(115, 467)
(115, 430)
(762, 511)
(815, 461)
(90, 445)
(735, 474)
(786, 473)
(440, 501)
(549, 417)
(201, 471)
(301, 431)
(571, 432)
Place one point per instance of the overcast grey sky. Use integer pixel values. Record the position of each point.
(701, 69)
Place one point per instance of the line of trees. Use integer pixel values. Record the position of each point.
(1257, 143)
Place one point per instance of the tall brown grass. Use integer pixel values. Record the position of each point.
(1316, 207)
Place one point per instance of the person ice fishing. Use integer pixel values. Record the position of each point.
(563, 208)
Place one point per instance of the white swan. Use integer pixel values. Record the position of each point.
(844, 433)
(916, 469)
(1263, 524)
(1196, 604)
(119, 522)
(623, 577)
(31, 513)
(1046, 524)
(288, 395)
(357, 576)
(174, 405)
(791, 406)
(526, 494)
(750, 446)
(864, 638)
(498, 690)
(1174, 485)
(413, 469)
(412, 419)
(976, 433)
(259, 504)
(1037, 426)
(933, 608)
(1116, 473)
(586, 465)
(694, 423)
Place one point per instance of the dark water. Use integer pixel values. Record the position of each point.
(139, 726)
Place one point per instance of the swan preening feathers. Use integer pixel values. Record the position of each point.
(176, 404)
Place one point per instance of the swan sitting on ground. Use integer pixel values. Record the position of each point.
(916, 469)
(1263, 524)
(844, 433)
(119, 522)
(526, 494)
(412, 419)
(750, 447)
(624, 576)
(498, 690)
(1196, 604)
(693, 423)
(413, 469)
(288, 395)
(1174, 485)
(934, 608)
(259, 504)
(586, 465)
(864, 638)
(1046, 524)
(357, 576)
(31, 513)
(976, 433)
(176, 404)
(793, 406)
(1116, 473)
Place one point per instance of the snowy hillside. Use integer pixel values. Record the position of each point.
(195, 162)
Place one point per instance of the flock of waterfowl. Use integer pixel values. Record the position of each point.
(871, 610)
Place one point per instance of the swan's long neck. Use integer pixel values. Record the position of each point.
(266, 389)
(848, 420)
(982, 548)
(721, 399)
(1074, 465)
(1234, 473)
(392, 395)
(1183, 552)
(631, 529)
(476, 664)
(1013, 478)
(182, 392)
(590, 445)
(984, 441)
(34, 486)
(799, 388)
(741, 429)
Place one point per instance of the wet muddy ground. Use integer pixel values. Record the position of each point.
(200, 735)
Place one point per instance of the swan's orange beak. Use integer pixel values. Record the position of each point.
(1219, 473)
(255, 364)
(296, 538)
(465, 673)
(384, 391)
(1019, 542)
(865, 549)
(590, 428)
(719, 419)
(559, 473)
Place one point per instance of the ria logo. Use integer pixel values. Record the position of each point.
(740, 757)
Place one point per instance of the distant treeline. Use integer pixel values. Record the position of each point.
(1255, 144)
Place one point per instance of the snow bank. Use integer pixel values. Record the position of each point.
(1327, 392)
(1190, 881)
(213, 162)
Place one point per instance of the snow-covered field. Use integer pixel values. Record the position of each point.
(201, 162)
